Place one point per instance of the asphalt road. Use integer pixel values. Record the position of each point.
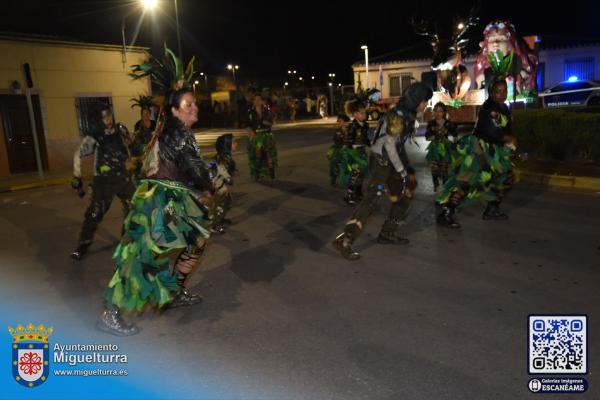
(285, 317)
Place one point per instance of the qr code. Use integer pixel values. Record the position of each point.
(557, 344)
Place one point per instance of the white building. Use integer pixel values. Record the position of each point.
(559, 60)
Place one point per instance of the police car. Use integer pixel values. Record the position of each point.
(572, 92)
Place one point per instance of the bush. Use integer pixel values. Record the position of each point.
(558, 134)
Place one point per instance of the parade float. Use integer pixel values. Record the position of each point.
(501, 50)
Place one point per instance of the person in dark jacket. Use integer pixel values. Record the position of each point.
(143, 129)
(484, 170)
(334, 152)
(354, 156)
(439, 151)
(262, 149)
(223, 168)
(109, 143)
(166, 230)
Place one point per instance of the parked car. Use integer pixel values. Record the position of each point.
(572, 93)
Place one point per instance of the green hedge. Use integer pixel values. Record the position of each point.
(558, 134)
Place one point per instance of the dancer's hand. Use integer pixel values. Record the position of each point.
(76, 183)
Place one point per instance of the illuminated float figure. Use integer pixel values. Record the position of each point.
(504, 52)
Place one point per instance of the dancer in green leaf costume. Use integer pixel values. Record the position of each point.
(166, 229)
(481, 165)
(439, 151)
(262, 150)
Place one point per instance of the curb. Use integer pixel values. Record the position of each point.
(301, 125)
(35, 185)
(64, 181)
(561, 181)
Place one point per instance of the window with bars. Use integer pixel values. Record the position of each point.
(582, 68)
(398, 84)
(86, 106)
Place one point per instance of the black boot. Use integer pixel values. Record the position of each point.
(446, 218)
(111, 321)
(333, 180)
(344, 245)
(492, 211)
(436, 183)
(218, 229)
(391, 237)
(184, 299)
(359, 194)
(80, 251)
(350, 197)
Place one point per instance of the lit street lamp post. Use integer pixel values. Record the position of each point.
(205, 81)
(366, 49)
(148, 5)
(177, 24)
(331, 76)
(233, 68)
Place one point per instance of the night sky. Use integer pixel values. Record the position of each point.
(267, 38)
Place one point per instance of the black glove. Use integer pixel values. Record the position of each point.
(76, 183)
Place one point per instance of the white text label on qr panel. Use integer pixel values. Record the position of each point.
(557, 344)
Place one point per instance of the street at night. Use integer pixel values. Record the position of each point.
(285, 317)
(245, 200)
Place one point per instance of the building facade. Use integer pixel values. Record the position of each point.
(558, 60)
(67, 78)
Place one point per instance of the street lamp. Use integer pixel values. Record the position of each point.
(233, 68)
(331, 76)
(366, 49)
(148, 5)
(205, 79)
(177, 24)
(461, 26)
(194, 86)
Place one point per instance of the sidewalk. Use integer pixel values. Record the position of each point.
(560, 181)
(306, 123)
(32, 180)
(207, 137)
